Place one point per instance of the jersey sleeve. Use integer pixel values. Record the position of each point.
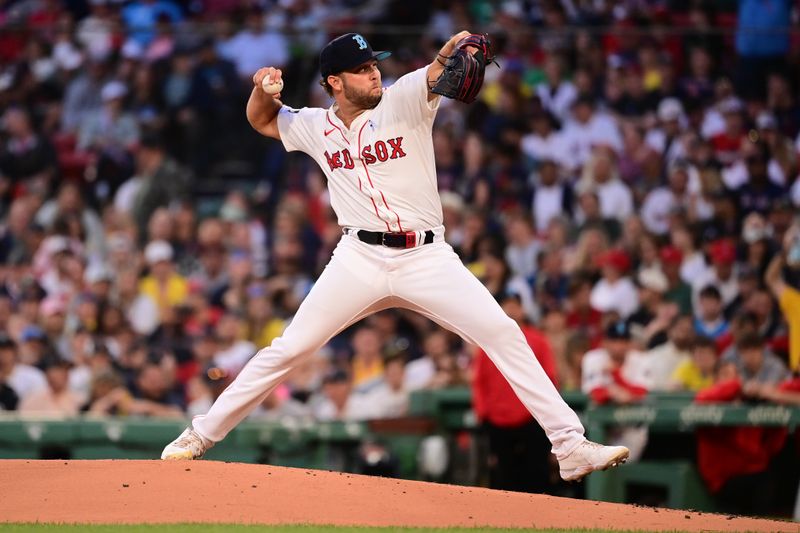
(296, 127)
(409, 95)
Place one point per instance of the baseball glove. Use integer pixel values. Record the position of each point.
(463, 71)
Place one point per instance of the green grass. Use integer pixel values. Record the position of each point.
(231, 528)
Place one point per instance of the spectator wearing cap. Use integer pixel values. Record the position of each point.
(722, 274)
(165, 287)
(57, 399)
(619, 374)
(615, 291)
(110, 128)
(600, 174)
(28, 160)
(518, 448)
(110, 134)
(33, 345)
(783, 156)
(758, 248)
(649, 323)
(678, 291)
(99, 280)
(665, 139)
(709, 318)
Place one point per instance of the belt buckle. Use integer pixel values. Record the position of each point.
(410, 238)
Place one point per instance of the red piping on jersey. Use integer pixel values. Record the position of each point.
(328, 118)
(370, 180)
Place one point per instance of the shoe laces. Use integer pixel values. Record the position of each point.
(191, 439)
(592, 444)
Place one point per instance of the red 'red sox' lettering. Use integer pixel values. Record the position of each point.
(372, 153)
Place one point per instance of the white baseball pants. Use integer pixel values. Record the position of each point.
(361, 279)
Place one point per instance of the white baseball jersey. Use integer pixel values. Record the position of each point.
(382, 177)
(381, 171)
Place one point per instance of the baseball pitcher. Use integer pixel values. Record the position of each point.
(375, 147)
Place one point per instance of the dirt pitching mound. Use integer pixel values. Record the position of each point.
(205, 491)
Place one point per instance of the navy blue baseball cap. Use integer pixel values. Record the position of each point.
(618, 330)
(345, 52)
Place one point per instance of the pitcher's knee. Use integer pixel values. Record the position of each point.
(504, 331)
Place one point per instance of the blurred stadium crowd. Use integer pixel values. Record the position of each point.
(626, 187)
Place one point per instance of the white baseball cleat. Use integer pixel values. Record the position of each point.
(589, 457)
(189, 445)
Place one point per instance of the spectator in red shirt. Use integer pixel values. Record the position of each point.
(734, 461)
(519, 452)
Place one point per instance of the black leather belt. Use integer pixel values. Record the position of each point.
(407, 239)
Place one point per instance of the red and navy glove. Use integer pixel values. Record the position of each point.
(462, 77)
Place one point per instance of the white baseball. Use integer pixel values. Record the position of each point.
(271, 88)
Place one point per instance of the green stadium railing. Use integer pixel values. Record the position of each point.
(330, 445)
